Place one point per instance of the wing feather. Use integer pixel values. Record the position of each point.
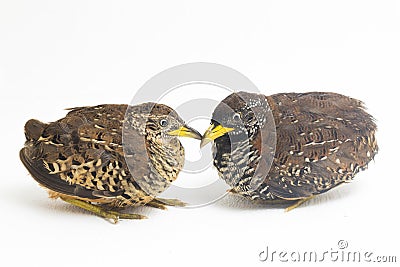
(80, 154)
(323, 140)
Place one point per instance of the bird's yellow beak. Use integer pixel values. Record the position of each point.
(213, 132)
(186, 131)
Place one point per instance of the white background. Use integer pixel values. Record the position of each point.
(59, 54)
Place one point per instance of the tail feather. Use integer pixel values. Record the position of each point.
(34, 129)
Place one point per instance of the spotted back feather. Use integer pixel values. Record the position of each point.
(323, 139)
(82, 155)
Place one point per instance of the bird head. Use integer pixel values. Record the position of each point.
(160, 123)
(164, 121)
(239, 115)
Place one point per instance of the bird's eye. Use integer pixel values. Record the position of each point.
(236, 117)
(164, 122)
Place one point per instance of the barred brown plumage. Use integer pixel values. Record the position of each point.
(322, 140)
(113, 155)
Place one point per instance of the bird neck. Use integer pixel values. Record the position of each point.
(166, 155)
(235, 161)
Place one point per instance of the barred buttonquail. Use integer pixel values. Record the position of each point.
(80, 158)
(322, 140)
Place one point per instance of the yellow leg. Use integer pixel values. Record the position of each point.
(156, 204)
(298, 203)
(170, 202)
(113, 216)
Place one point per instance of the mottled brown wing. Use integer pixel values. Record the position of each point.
(52, 181)
(323, 139)
(81, 154)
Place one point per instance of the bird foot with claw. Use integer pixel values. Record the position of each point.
(161, 203)
(298, 203)
(171, 202)
(110, 215)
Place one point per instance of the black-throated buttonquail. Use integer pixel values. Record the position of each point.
(106, 157)
(290, 146)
